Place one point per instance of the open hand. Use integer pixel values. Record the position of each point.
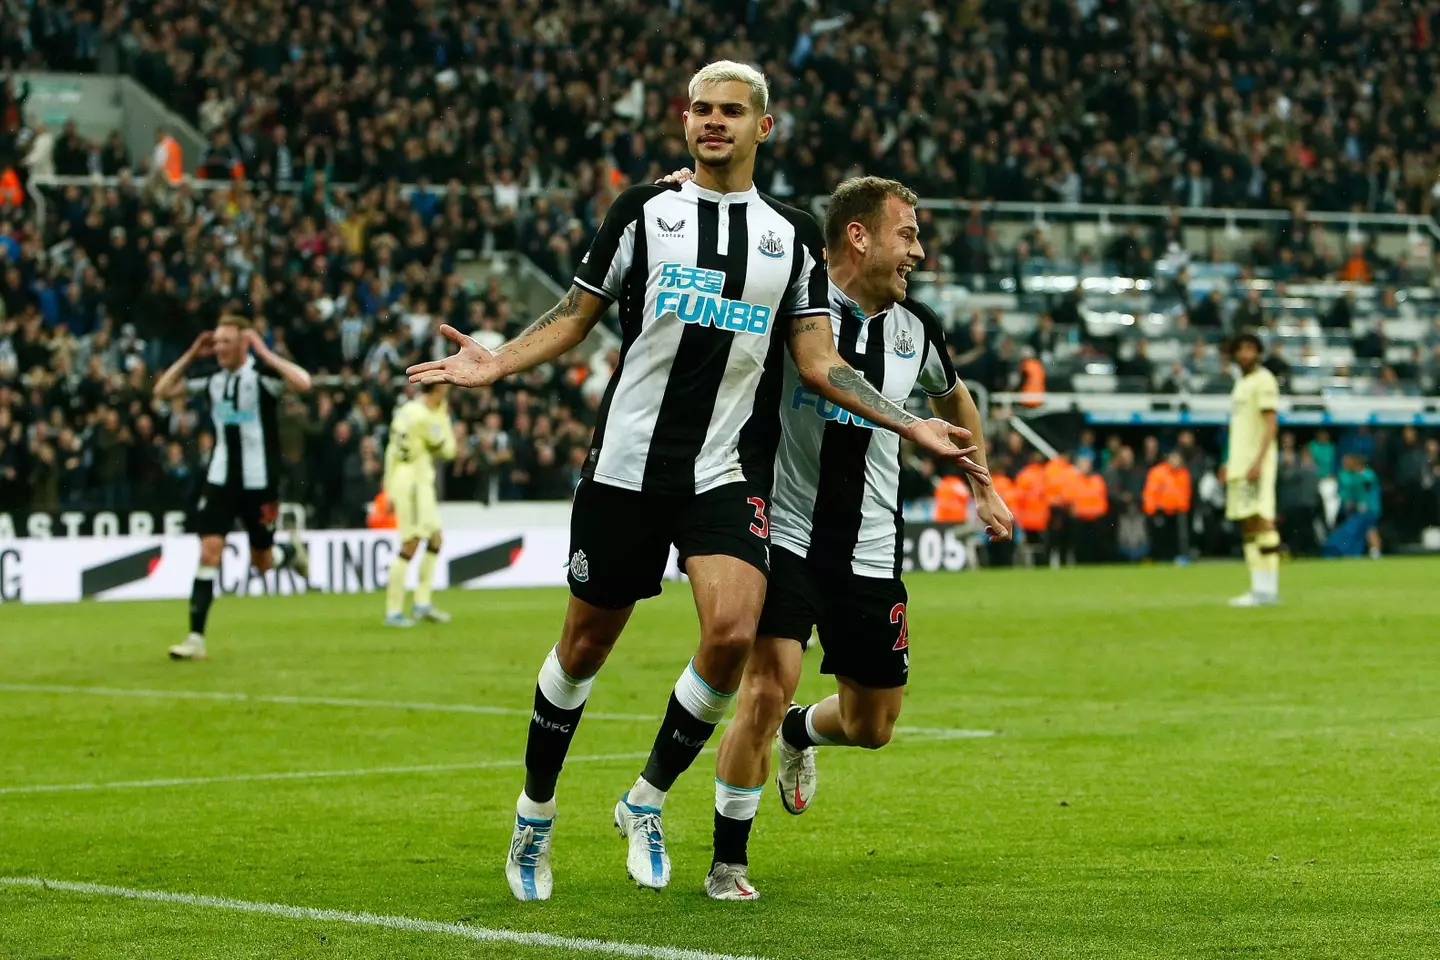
(944, 438)
(472, 366)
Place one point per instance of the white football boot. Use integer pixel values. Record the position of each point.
(429, 612)
(527, 866)
(647, 862)
(795, 775)
(730, 881)
(192, 649)
(1253, 599)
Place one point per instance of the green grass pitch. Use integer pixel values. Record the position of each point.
(1170, 778)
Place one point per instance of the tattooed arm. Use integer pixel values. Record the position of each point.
(560, 330)
(821, 367)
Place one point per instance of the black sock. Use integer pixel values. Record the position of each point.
(681, 738)
(551, 730)
(202, 592)
(732, 840)
(793, 728)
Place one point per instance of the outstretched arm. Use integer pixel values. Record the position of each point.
(559, 331)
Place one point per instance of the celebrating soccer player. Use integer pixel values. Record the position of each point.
(684, 448)
(420, 431)
(835, 525)
(241, 485)
(1251, 469)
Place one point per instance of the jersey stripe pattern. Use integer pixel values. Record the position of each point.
(837, 476)
(706, 285)
(244, 407)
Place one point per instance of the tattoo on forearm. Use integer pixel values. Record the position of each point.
(845, 377)
(565, 309)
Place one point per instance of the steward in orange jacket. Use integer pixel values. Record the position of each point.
(381, 515)
(1032, 498)
(1166, 501)
(1089, 507)
(952, 500)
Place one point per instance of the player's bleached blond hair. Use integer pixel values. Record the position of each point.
(725, 71)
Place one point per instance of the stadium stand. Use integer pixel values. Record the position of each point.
(1113, 187)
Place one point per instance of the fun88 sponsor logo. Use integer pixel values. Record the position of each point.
(693, 295)
(826, 410)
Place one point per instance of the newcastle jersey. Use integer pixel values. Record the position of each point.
(706, 285)
(837, 477)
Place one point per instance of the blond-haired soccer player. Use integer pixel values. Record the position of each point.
(420, 432)
(1249, 471)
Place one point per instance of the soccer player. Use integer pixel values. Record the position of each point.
(683, 450)
(241, 485)
(835, 529)
(1250, 470)
(420, 431)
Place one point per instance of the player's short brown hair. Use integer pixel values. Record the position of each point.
(861, 200)
(239, 322)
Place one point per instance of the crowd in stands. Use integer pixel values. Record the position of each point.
(520, 122)
(1102, 502)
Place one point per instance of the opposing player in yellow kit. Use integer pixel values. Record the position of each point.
(420, 432)
(1250, 471)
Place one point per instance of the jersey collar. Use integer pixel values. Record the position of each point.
(842, 303)
(697, 192)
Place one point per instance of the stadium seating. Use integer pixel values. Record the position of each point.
(1113, 188)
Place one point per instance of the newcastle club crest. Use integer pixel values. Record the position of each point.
(771, 245)
(580, 567)
(904, 345)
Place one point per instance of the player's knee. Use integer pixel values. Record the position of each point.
(730, 637)
(211, 549)
(870, 729)
(433, 545)
(261, 560)
(408, 548)
(761, 706)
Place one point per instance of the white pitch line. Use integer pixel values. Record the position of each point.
(299, 775)
(360, 918)
(298, 701)
(946, 733)
(938, 733)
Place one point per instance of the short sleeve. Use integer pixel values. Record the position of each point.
(809, 290)
(196, 385)
(1267, 394)
(937, 374)
(270, 380)
(603, 269)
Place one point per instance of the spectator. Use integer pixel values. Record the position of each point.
(1298, 497)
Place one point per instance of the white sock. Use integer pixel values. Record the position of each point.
(1257, 581)
(737, 803)
(559, 687)
(1266, 582)
(645, 794)
(819, 739)
(531, 810)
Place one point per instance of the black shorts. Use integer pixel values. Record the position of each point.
(620, 539)
(862, 620)
(220, 509)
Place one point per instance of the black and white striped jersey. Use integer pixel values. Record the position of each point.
(706, 284)
(244, 406)
(837, 476)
